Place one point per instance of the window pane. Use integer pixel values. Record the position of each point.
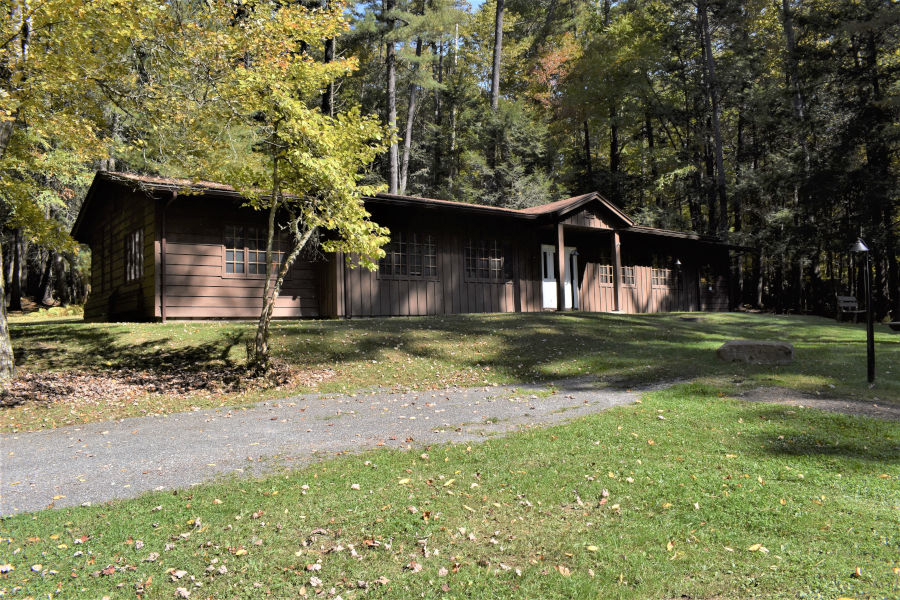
(229, 267)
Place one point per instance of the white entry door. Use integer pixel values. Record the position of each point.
(548, 277)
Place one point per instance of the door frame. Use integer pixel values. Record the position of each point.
(549, 300)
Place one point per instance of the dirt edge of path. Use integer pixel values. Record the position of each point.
(789, 397)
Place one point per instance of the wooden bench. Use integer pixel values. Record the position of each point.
(848, 305)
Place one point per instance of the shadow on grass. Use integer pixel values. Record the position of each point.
(71, 346)
(808, 432)
(625, 350)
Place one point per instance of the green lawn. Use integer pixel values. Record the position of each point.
(624, 350)
(718, 499)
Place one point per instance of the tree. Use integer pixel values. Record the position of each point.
(258, 125)
(498, 52)
(56, 56)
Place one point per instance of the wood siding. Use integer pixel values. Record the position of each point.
(194, 284)
(197, 286)
(112, 297)
(589, 217)
(371, 294)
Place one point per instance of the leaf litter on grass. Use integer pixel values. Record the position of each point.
(85, 388)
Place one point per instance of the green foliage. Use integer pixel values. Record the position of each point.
(255, 124)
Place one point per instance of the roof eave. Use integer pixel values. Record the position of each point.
(429, 204)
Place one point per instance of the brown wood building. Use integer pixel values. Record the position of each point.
(171, 249)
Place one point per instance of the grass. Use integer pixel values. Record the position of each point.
(624, 350)
(720, 499)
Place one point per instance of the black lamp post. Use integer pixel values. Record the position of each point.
(860, 246)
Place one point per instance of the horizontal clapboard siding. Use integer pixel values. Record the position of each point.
(196, 283)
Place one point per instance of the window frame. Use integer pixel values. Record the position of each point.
(260, 237)
(628, 272)
(487, 251)
(134, 255)
(661, 277)
(411, 249)
(606, 275)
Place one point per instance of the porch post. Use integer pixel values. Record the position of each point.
(617, 268)
(561, 265)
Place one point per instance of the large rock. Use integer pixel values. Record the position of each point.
(756, 352)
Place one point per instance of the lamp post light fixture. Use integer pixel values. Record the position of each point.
(860, 247)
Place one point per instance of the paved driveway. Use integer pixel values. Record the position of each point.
(120, 459)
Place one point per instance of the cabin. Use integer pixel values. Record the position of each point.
(175, 249)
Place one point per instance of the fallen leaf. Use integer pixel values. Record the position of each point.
(564, 571)
(413, 566)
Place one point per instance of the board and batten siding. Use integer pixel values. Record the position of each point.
(112, 297)
(196, 284)
(364, 293)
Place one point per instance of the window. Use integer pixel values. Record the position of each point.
(245, 250)
(605, 274)
(234, 250)
(627, 275)
(134, 255)
(488, 260)
(409, 255)
(661, 277)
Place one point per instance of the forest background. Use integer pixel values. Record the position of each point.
(772, 124)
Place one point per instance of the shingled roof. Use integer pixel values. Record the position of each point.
(550, 211)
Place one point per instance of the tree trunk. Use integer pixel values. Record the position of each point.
(437, 158)
(893, 269)
(391, 61)
(15, 284)
(328, 94)
(61, 289)
(588, 167)
(45, 293)
(613, 152)
(261, 348)
(710, 188)
(453, 158)
(651, 150)
(791, 47)
(410, 118)
(7, 359)
(498, 49)
(713, 92)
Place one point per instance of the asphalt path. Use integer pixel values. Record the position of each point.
(98, 462)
